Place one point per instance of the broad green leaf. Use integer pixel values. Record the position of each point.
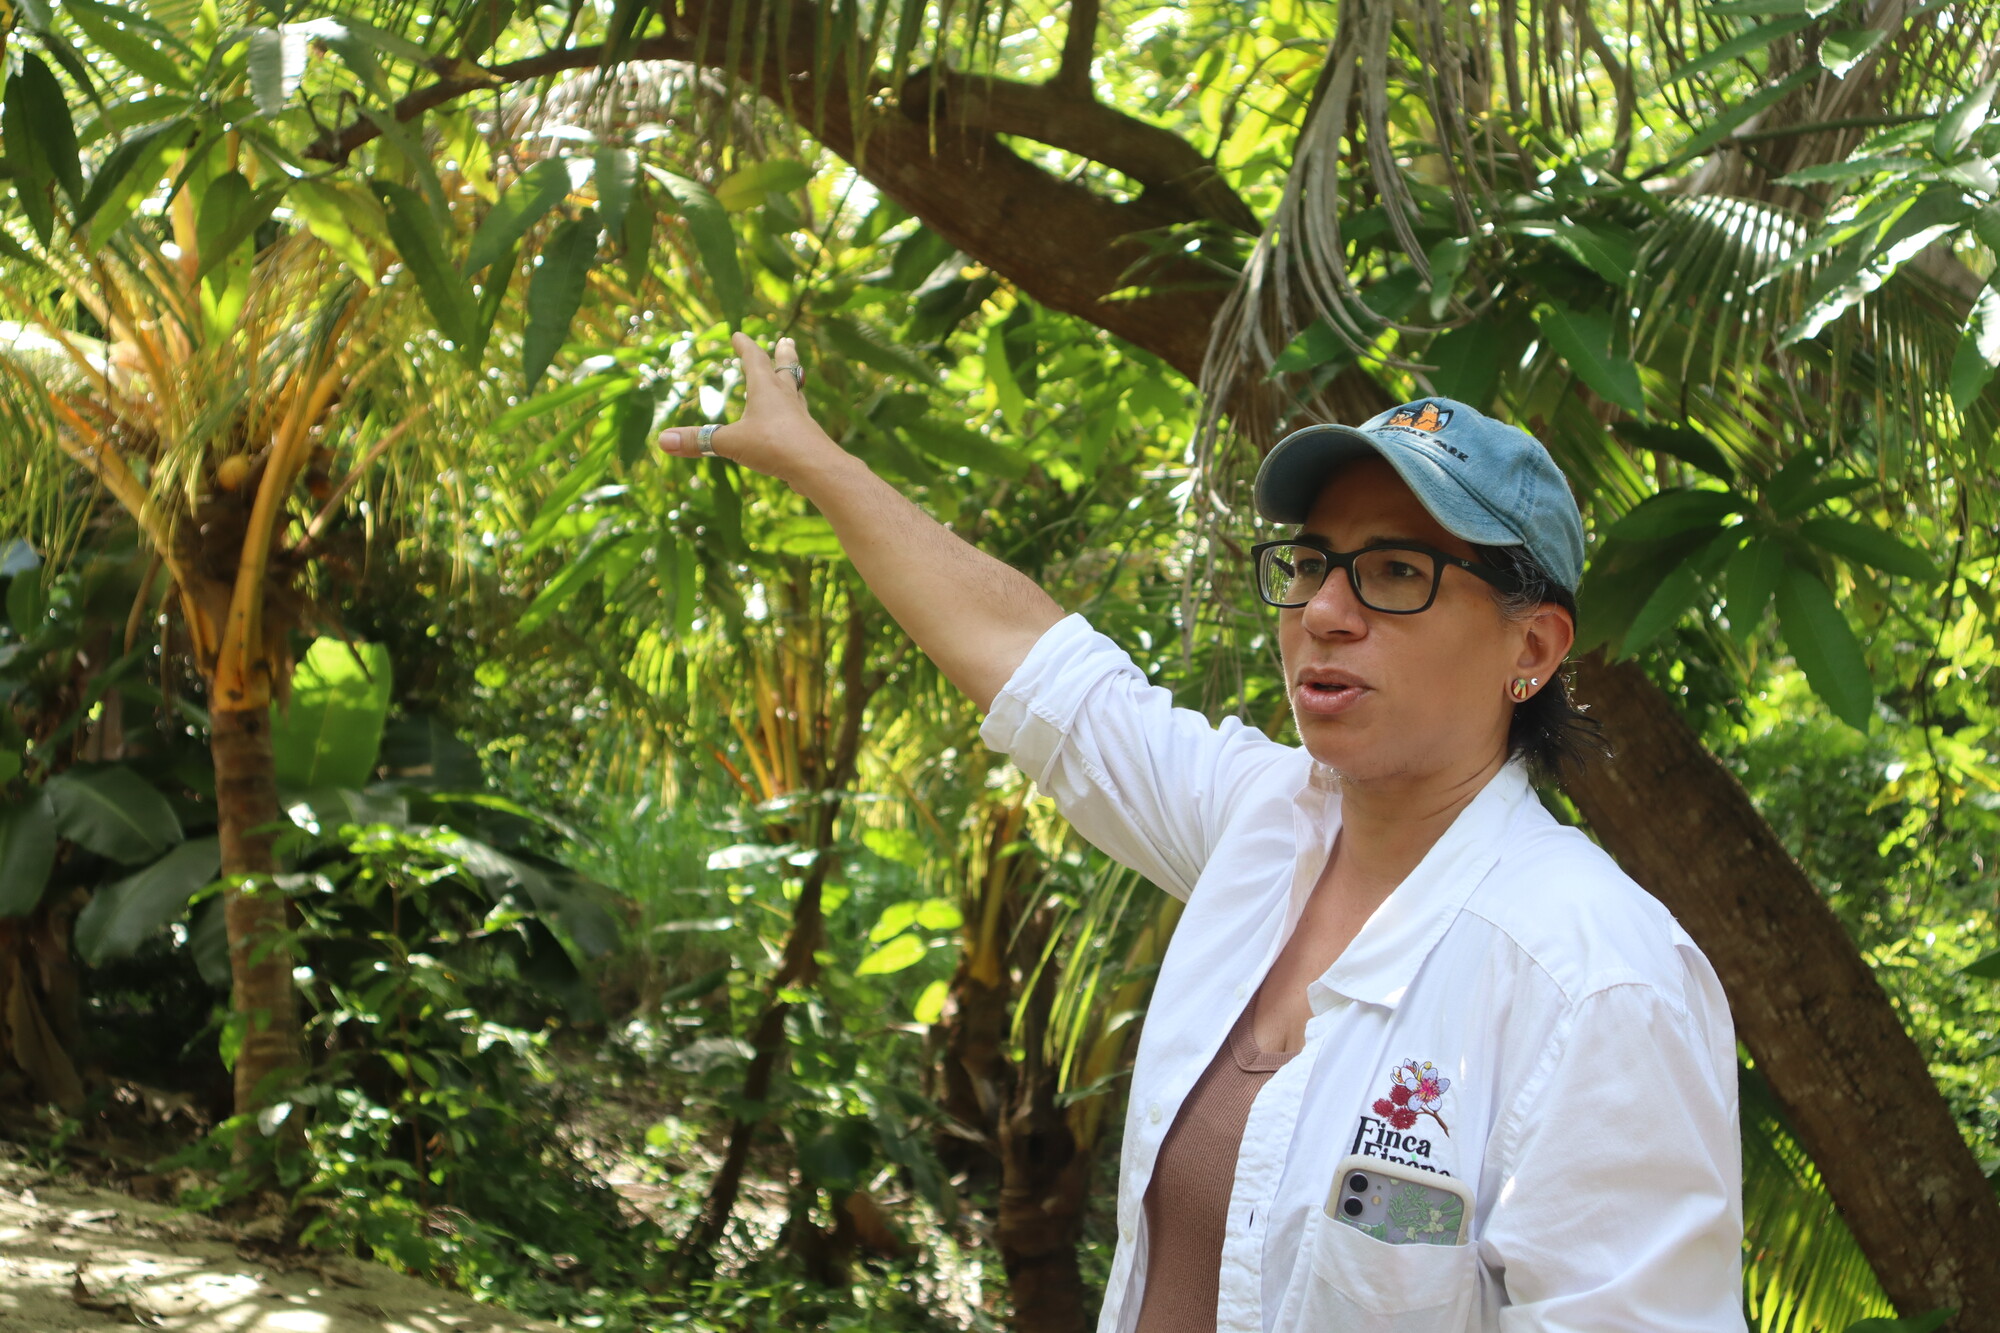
(22, 109)
(929, 1007)
(1583, 340)
(130, 40)
(230, 214)
(1824, 646)
(26, 604)
(1468, 362)
(1854, 168)
(526, 202)
(634, 414)
(50, 123)
(1670, 601)
(556, 291)
(616, 172)
(543, 404)
(1978, 352)
(330, 734)
(1986, 967)
(856, 342)
(277, 63)
(1840, 51)
(1672, 512)
(1749, 580)
(1608, 251)
(773, 175)
(714, 241)
(1447, 260)
(122, 915)
(1682, 442)
(570, 579)
(963, 447)
(1955, 127)
(1870, 546)
(137, 156)
(113, 812)
(897, 954)
(27, 853)
(1756, 39)
(327, 211)
(1315, 345)
(208, 944)
(445, 290)
(1820, 492)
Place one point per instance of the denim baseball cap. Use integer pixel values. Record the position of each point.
(1485, 481)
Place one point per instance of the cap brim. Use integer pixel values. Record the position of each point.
(1294, 473)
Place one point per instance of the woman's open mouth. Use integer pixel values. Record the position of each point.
(1325, 693)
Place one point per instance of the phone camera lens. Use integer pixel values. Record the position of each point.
(1352, 1207)
(1358, 1183)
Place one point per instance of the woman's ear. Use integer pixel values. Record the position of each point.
(1546, 639)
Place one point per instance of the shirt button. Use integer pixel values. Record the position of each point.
(1125, 1234)
(1241, 991)
(1153, 1113)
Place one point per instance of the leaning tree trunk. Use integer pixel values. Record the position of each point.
(255, 912)
(1818, 1024)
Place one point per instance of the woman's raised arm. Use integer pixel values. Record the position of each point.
(971, 614)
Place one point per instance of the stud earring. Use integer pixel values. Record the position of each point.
(1518, 691)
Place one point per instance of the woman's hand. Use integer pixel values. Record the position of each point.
(775, 434)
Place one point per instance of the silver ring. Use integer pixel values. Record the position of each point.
(705, 439)
(795, 370)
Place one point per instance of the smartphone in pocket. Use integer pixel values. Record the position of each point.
(1402, 1205)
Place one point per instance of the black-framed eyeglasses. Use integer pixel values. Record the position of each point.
(1398, 579)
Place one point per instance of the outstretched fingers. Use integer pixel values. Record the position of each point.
(771, 393)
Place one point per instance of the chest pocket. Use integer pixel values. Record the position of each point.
(1358, 1284)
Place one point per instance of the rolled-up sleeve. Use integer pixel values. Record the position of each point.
(1622, 1210)
(1148, 783)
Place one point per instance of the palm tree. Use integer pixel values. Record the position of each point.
(235, 400)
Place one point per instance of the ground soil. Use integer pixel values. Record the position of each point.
(79, 1258)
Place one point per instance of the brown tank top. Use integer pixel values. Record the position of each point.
(1187, 1203)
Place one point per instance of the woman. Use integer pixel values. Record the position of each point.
(1389, 948)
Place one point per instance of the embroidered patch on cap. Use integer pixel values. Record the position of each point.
(1420, 416)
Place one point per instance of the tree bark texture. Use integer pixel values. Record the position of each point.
(1010, 1123)
(255, 914)
(1860, 1095)
(1822, 1031)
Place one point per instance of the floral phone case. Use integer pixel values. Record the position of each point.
(1401, 1205)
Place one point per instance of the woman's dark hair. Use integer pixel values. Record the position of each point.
(1548, 730)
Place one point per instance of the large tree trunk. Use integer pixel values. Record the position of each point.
(1819, 1026)
(255, 912)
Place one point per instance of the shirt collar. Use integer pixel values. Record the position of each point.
(1378, 966)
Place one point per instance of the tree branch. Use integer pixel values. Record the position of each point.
(1170, 168)
(1073, 77)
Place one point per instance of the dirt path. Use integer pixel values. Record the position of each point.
(75, 1259)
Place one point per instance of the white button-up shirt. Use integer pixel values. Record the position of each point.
(1565, 1049)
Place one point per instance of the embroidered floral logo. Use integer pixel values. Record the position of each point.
(1419, 1090)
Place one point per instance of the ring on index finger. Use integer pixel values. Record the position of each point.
(795, 370)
